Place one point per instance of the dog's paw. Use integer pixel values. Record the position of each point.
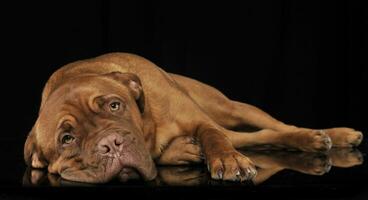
(182, 150)
(316, 164)
(313, 141)
(231, 166)
(344, 137)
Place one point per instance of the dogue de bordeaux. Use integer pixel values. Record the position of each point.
(117, 115)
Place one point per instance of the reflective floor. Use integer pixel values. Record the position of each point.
(269, 164)
(337, 174)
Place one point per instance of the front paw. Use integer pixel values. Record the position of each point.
(231, 166)
(181, 151)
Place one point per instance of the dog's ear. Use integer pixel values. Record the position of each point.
(134, 84)
(32, 156)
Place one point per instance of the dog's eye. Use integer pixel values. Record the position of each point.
(114, 106)
(67, 139)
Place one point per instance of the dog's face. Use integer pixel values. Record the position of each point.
(90, 130)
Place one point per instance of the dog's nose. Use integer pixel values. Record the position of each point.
(110, 144)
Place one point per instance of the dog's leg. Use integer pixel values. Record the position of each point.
(303, 140)
(224, 111)
(223, 160)
(230, 114)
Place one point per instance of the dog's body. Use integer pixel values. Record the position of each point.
(117, 114)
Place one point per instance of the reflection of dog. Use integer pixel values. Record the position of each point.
(267, 162)
(115, 114)
(303, 162)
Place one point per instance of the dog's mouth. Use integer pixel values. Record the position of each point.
(132, 163)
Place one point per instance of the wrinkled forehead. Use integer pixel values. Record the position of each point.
(78, 95)
(89, 85)
(83, 89)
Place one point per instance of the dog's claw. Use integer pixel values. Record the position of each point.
(220, 173)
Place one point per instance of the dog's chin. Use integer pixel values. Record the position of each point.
(128, 165)
(126, 168)
(129, 173)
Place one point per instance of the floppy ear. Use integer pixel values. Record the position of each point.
(32, 156)
(134, 85)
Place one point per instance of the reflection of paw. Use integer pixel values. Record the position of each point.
(231, 166)
(181, 175)
(345, 157)
(314, 141)
(318, 164)
(37, 176)
(308, 163)
(182, 150)
(344, 137)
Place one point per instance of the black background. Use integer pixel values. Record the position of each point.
(304, 62)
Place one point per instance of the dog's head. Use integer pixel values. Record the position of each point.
(90, 130)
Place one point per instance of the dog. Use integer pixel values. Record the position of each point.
(118, 115)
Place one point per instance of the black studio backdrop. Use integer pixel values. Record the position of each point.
(304, 62)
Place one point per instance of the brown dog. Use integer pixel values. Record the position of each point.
(114, 115)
